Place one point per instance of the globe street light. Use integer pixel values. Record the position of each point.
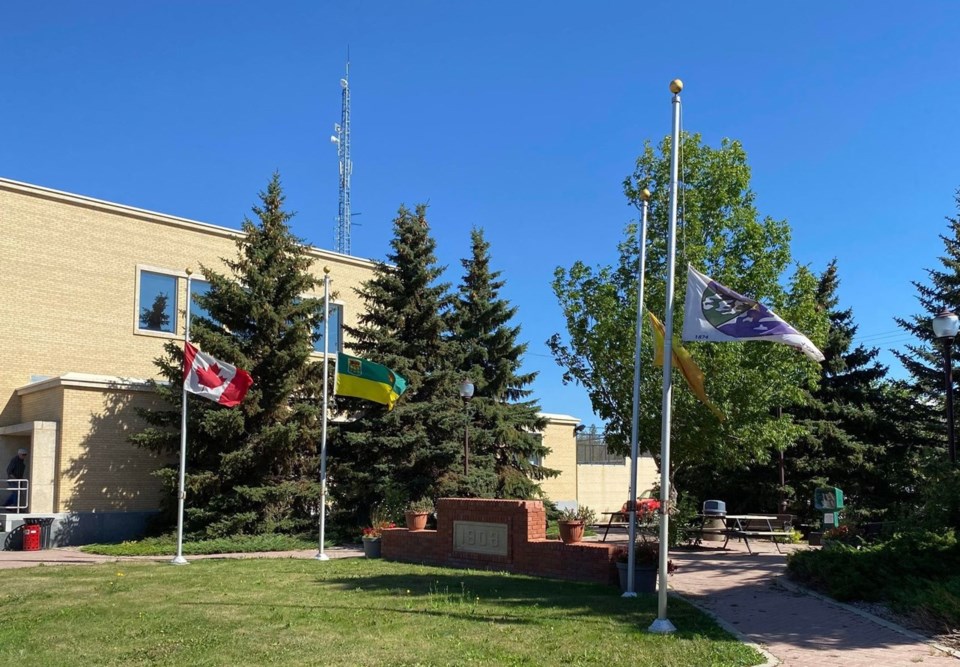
(945, 328)
(466, 393)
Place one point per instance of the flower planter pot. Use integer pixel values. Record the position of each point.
(416, 520)
(371, 547)
(570, 531)
(644, 578)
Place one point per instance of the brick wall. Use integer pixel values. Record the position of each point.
(527, 549)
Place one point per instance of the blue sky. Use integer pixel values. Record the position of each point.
(519, 117)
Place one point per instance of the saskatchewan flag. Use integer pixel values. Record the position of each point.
(364, 379)
(683, 360)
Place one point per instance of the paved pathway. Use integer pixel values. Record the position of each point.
(801, 630)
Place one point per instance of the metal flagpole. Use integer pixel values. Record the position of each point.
(662, 624)
(323, 437)
(179, 559)
(635, 424)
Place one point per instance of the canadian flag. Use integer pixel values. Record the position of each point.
(211, 378)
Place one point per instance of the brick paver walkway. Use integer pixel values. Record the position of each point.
(799, 629)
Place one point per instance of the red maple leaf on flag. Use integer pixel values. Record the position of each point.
(209, 377)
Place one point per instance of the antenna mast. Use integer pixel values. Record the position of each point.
(342, 140)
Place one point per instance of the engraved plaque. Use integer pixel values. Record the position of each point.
(480, 538)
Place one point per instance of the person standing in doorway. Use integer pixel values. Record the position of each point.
(16, 470)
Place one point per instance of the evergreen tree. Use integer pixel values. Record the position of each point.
(924, 362)
(415, 449)
(924, 359)
(851, 439)
(252, 468)
(155, 317)
(503, 422)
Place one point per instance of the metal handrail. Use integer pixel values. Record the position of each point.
(20, 487)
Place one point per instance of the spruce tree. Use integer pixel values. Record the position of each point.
(252, 468)
(414, 450)
(155, 317)
(924, 362)
(847, 434)
(924, 359)
(504, 422)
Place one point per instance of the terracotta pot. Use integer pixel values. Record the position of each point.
(417, 520)
(570, 531)
(371, 547)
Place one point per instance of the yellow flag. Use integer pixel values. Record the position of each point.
(684, 361)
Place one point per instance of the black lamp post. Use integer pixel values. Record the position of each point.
(466, 393)
(945, 328)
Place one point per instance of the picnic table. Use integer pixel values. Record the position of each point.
(745, 526)
(647, 523)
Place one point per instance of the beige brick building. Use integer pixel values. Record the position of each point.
(79, 278)
(77, 275)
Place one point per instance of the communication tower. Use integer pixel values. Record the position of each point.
(342, 140)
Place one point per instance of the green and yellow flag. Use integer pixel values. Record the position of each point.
(684, 361)
(364, 379)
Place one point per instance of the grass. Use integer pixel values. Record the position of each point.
(342, 612)
(162, 546)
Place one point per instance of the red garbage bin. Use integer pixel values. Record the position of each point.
(31, 538)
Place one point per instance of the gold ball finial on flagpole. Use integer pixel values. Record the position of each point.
(676, 86)
(645, 195)
(189, 271)
(326, 270)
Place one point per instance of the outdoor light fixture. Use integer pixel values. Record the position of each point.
(466, 393)
(945, 328)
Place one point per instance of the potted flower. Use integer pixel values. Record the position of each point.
(646, 563)
(572, 522)
(372, 533)
(418, 511)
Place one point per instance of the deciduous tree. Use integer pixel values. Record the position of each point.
(723, 235)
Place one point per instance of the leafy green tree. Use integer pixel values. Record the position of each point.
(722, 234)
(252, 468)
(504, 420)
(414, 450)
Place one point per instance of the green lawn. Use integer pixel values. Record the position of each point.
(341, 612)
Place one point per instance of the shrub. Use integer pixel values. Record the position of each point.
(647, 554)
(581, 513)
(915, 572)
(422, 505)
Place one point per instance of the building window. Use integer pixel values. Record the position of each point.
(157, 302)
(336, 330)
(537, 459)
(198, 288)
(592, 450)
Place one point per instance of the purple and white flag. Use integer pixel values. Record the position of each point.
(716, 314)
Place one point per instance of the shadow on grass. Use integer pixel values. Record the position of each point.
(535, 600)
(375, 610)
